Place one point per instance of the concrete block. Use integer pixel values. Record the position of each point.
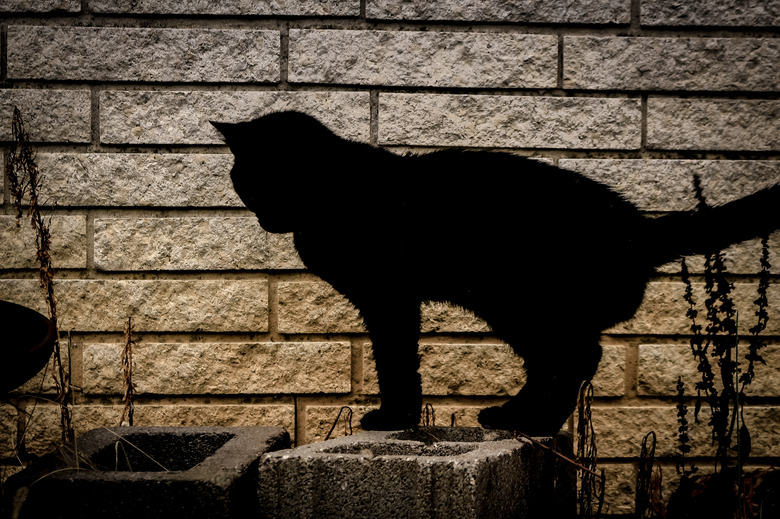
(425, 472)
(207, 472)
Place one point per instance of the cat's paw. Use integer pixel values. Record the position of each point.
(508, 418)
(383, 420)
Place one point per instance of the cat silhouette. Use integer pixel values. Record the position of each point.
(547, 257)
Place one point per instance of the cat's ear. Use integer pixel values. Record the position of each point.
(228, 130)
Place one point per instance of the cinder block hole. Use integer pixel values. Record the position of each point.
(432, 435)
(399, 449)
(158, 452)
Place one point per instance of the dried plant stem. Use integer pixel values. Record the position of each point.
(127, 368)
(26, 180)
(591, 488)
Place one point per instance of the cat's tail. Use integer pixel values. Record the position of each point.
(710, 229)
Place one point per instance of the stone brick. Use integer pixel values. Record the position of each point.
(222, 368)
(617, 63)
(609, 380)
(509, 121)
(319, 420)
(667, 185)
(68, 242)
(459, 369)
(663, 310)
(8, 425)
(139, 179)
(44, 382)
(315, 307)
(531, 11)
(710, 13)
(410, 58)
(619, 487)
(155, 305)
(43, 433)
(130, 54)
(619, 430)
(215, 415)
(180, 117)
(40, 6)
(282, 253)
(48, 115)
(713, 124)
(188, 243)
(661, 364)
(232, 7)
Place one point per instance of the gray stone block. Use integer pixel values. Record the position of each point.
(149, 472)
(448, 472)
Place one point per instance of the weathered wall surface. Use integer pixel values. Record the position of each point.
(232, 330)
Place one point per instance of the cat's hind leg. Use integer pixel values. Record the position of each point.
(394, 330)
(549, 396)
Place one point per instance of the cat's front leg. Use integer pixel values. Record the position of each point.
(394, 328)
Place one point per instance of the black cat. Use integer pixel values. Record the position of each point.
(547, 257)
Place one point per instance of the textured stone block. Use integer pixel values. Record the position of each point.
(43, 430)
(663, 310)
(710, 13)
(316, 307)
(177, 117)
(509, 121)
(139, 179)
(215, 414)
(713, 124)
(194, 243)
(617, 63)
(155, 305)
(620, 430)
(667, 185)
(661, 364)
(129, 54)
(48, 115)
(620, 487)
(8, 430)
(455, 472)
(222, 368)
(231, 7)
(40, 6)
(530, 11)
(459, 369)
(68, 242)
(410, 58)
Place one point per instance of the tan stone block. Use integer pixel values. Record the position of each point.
(663, 309)
(531, 11)
(216, 415)
(123, 179)
(282, 253)
(710, 13)
(8, 430)
(609, 380)
(187, 243)
(44, 432)
(232, 7)
(667, 185)
(508, 121)
(713, 124)
(48, 115)
(154, 305)
(135, 54)
(459, 369)
(661, 364)
(68, 242)
(627, 63)
(134, 117)
(44, 381)
(319, 420)
(619, 487)
(412, 58)
(315, 307)
(222, 368)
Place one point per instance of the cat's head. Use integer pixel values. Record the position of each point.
(278, 158)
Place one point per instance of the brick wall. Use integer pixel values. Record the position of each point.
(231, 329)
